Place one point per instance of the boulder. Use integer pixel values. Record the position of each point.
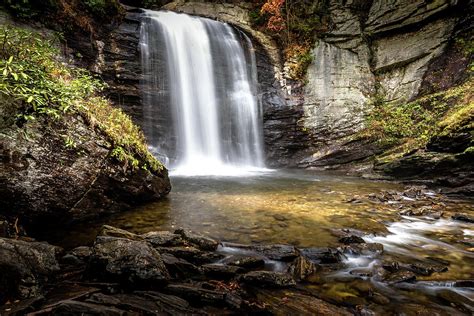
(163, 239)
(322, 255)
(221, 271)
(268, 279)
(191, 254)
(25, 267)
(286, 302)
(179, 268)
(111, 231)
(131, 262)
(301, 268)
(400, 276)
(202, 242)
(77, 256)
(463, 218)
(456, 299)
(43, 180)
(365, 249)
(351, 240)
(197, 294)
(244, 261)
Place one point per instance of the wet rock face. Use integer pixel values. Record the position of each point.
(41, 178)
(376, 47)
(25, 267)
(372, 47)
(129, 261)
(115, 56)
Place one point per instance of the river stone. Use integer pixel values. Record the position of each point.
(352, 240)
(287, 302)
(268, 279)
(77, 256)
(191, 254)
(70, 307)
(197, 294)
(25, 267)
(163, 239)
(179, 268)
(463, 218)
(362, 249)
(125, 301)
(427, 269)
(170, 303)
(129, 261)
(221, 271)
(456, 299)
(322, 255)
(202, 242)
(301, 268)
(274, 252)
(111, 231)
(244, 261)
(400, 276)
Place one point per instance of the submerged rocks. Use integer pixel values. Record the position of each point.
(322, 255)
(351, 240)
(25, 267)
(362, 249)
(128, 261)
(301, 268)
(463, 218)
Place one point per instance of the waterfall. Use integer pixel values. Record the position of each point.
(199, 89)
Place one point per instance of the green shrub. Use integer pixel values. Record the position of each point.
(32, 73)
(27, 9)
(102, 8)
(418, 121)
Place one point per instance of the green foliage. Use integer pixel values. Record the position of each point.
(128, 141)
(102, 8)
(296, 27)
(32, 74)
(413, 124)
(27, 9)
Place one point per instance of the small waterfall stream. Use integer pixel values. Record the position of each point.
(200, 94)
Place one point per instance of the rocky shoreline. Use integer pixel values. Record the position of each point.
(182, 272)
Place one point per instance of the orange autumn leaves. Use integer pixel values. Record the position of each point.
(273, 8)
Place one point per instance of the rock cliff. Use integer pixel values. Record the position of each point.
(372, 49)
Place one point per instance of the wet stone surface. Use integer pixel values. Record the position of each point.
(418, 264)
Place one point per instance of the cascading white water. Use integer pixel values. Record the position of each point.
(199, 92)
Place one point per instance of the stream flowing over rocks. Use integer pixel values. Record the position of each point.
(419, 265)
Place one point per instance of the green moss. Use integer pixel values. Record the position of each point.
(32, 74)
(129, 145)
(404, 128)
(459, 117)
